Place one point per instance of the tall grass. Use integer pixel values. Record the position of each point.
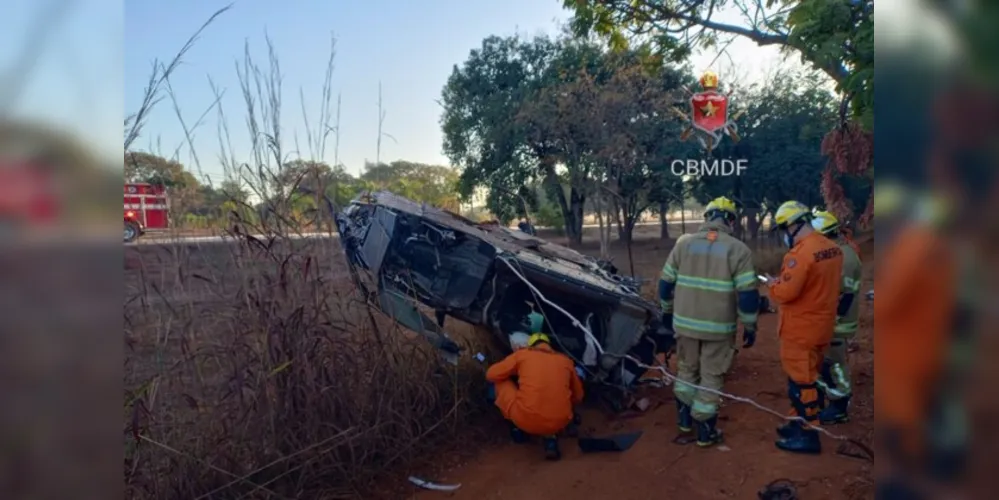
(253, 368)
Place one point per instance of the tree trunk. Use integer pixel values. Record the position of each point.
(683, 216)
(604, 243)
(573, 225)
(663, 222)
(753, 223)
(577, 203)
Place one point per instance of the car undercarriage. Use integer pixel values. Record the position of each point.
(406, 256)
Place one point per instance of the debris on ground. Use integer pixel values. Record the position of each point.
(617, 442)
(642, 404)
(428, 485)
(780, 489)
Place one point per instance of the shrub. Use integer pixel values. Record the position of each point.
(250, 368)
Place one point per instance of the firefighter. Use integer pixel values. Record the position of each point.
(708, 283)
(835, 376)
(535, 390)
(807, 292)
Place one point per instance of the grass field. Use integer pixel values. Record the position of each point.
(252, 369)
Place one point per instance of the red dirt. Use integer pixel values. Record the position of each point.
(657, 468)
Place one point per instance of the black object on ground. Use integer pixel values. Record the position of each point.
(780, 489)
(618, 442)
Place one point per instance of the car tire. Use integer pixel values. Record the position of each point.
(132, 231)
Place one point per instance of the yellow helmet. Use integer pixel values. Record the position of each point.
(825, 222)
(889, 199)
(537, 337)
(709, 80)
(720, 204)
(792, 212)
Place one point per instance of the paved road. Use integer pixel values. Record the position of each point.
(153, 239)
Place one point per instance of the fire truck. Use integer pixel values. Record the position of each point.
(146, 209)
(29, 195)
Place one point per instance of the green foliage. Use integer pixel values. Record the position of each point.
(781, 132)
(835, 36)
(548, 215)
(433, 184)
(296, 187)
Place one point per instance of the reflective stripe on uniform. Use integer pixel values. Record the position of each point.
(703, 325)
(703, 410)
(851, 284)
(850, 327)
(745, 280)
(842, 383)
(669, 273)
(748, 319)
(666, 306)
(705, 283)
(684, 391)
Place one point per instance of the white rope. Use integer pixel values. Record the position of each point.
(575, 322)
(666, 376)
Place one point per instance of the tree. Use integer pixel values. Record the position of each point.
(492, 136)
(781, 133)
(834, 36)
(185, 190)
(433, 184)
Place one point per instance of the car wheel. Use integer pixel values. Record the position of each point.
(131, 231)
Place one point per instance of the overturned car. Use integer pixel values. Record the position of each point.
(404, 254)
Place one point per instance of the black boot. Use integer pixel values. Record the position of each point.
(836, 412)
(551, 448)
(786, 430)
(518, 436)
(683, 419)
(572, 430)
(800, 440)
(707, 432)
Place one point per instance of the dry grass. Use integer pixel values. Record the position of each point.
(252, 370)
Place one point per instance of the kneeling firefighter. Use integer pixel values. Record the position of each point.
(835, 376)
(535, 390)
(708, 283)
(807, 292)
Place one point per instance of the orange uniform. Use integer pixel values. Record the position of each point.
(540, 401)
(916, 302)
(807, 291)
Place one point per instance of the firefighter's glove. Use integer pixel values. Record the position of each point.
(748, 337)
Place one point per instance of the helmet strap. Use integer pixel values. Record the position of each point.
(792, 234)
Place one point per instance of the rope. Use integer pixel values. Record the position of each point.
(666, 376)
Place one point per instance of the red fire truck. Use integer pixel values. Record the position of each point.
(146, 209)
(29, 195)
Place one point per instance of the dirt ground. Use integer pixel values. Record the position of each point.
(489, 467)
(657, 468)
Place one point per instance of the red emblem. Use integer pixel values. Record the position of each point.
(709, 110)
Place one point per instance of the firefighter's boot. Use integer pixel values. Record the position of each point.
(683, 419)
(551, 448)
(786, 430)
(518, 436)
(572, 430)
(707, 432)
(836, 412)
(800, 440)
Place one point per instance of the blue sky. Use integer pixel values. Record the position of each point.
(409, 46)
(77, 80)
